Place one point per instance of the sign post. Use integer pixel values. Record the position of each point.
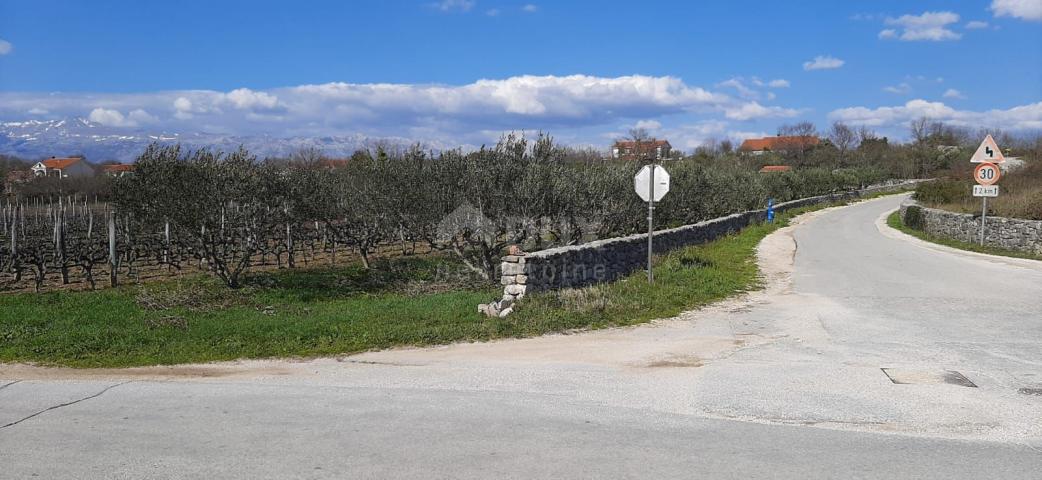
(651, 183)
(651, 220)
(987, 173)
(983, 215)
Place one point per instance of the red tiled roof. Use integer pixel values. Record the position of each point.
(777, 143)
(775, 168)
(60, 163)
(117, 168)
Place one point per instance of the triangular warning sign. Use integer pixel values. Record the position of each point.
(988, 152)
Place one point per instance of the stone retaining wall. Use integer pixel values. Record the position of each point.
(1008, 233)
(610, 259)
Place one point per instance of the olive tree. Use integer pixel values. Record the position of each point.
(226, 205)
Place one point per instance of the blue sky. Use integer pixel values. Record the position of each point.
(465, 71)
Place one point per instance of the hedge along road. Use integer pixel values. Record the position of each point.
(785, 383)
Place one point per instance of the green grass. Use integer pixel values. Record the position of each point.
(308, 313)
(684, 279)
(895, 221)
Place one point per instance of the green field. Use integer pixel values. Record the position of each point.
(320, 312)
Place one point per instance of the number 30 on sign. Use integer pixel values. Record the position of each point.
(987, 173)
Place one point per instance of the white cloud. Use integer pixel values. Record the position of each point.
(5, 47)
(953, 93)
(738, 83)
(37, 111)
(114, 118)
(753, 110)
(692, 136)
(561, 99)
(901, 89)
(888, 34)
(931, 26)
(440, 113)
(182, 108)
(742, 86)
(648, 124)
(529, 8)
(741, 136)
(976, 25)
(1023, 9)
(205, 102)
(1024, 117)
(492, 12)
(823, 62)
(109, 117)
(183, 104)
(141, 117)
(246, 99)
(454, 5)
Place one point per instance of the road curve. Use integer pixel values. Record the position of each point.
(784, 383)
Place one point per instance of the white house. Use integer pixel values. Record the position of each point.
(64, 167)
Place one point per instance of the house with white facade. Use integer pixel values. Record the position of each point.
(64, 167)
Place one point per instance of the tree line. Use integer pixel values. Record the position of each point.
(228, 212)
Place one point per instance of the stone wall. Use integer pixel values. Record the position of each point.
(1008, 233)
(613, 258)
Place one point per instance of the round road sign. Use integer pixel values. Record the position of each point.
(987, 173)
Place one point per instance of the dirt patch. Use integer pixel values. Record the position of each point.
(173, 372)
(677, 361)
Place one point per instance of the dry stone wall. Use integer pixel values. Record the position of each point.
(1007, 233)
(613, 258)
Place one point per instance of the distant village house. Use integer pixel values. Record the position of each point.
(117, 169)
(75, 167)
(652, 149)
(780, 143)
(63, 168)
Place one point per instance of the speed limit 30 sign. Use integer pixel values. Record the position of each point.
(987, 174)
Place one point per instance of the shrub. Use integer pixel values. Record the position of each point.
(914, 217)
(942, 191)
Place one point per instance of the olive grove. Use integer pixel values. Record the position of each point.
(229, 212)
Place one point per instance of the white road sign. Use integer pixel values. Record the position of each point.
(985, 190)
(661, 180)
(988, 152)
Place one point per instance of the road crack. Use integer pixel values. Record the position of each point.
(55, 407)
(9, 384)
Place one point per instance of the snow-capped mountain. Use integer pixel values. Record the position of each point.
(32, 139)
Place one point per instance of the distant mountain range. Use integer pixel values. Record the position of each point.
(34, 139)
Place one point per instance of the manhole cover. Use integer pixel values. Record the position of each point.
(903, 376)
(1031, 391)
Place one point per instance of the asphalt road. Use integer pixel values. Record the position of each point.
(784, 383)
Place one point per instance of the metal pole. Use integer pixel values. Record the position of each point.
(651, 221)
(983, 214)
